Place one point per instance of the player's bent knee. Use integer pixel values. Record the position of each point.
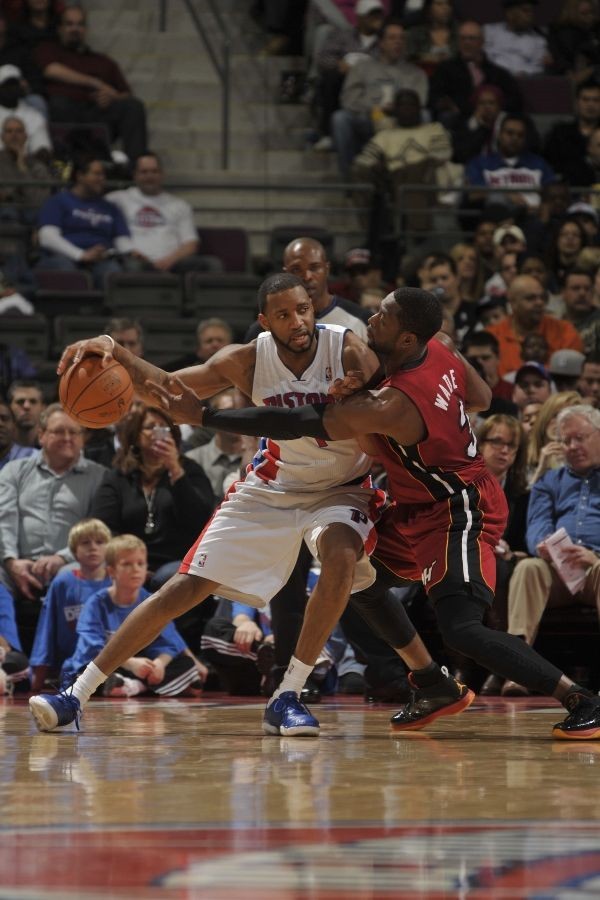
(180, 593)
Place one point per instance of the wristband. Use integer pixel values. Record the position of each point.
(112, 341)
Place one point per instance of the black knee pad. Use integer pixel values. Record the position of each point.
(460, 620)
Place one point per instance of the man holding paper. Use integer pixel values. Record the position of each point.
(563, 529)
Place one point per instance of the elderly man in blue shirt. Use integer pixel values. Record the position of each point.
(568, 497)
(41, 498)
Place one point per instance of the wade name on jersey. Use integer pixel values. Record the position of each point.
(446, 388)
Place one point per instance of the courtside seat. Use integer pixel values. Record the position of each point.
(229, 296)
(167, 339)
(139, 294)
(67, 293)
(547, 94)
(68, 329)
(230, 245)
(28, 333)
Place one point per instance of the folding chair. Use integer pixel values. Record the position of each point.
(140, 294)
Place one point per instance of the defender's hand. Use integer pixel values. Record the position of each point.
(353, 381)
(178, 400)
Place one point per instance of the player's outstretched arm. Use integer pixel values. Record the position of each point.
(233, 365)
(386, 412)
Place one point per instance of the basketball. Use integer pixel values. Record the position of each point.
(96, 395)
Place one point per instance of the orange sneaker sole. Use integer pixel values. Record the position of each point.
(591, 734)
(451, 710)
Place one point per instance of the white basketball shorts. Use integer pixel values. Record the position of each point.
(251, 544)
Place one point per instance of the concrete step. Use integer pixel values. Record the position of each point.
(245, 160)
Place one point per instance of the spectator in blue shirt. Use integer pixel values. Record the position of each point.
(55, 636)
(164, 667)
(78, 228)
(511, 166)
(10, 450)
(568, 497)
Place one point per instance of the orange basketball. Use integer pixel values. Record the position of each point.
(96, 395)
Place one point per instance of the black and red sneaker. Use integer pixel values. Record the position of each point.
(444, 698)
(583, 721)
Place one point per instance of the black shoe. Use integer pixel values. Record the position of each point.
(310, 693)
(583, 721)
(351, 683)
(397, 691)
(265, 657)
(445, 698)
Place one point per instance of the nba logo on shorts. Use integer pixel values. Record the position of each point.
(328, 373)
(201, 559)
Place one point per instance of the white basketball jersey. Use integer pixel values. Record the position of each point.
(304, 464)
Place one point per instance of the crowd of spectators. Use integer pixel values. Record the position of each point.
(418, 97)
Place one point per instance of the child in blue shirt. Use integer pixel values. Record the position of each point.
(165, 666)
(56, 636)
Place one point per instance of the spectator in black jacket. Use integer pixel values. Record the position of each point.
(454, 82)
(154, 492)
(566, 144)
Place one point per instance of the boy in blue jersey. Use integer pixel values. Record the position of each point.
(165, 666)
(56, 636)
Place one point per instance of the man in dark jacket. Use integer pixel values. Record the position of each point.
(454, 82)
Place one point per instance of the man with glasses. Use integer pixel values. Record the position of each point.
(41, 498)
(567, 498)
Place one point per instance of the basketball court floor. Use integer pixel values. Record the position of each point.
(187, 799)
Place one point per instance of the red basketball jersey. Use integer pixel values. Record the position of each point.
(447, 460)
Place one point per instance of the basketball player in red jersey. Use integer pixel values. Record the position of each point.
(449, 513)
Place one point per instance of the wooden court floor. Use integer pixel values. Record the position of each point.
(188, 799)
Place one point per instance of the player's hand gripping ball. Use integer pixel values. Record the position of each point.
(96, 395)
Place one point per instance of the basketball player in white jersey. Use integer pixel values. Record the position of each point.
(296, 490)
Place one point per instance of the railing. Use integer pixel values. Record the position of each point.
(221, 65)
(450, 222)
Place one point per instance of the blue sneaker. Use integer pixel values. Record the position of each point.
(288, 716)
(51, 711)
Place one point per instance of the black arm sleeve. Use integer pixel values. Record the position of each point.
(271, 421)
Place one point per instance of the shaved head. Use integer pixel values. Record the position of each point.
(306, 258)
(300, 245)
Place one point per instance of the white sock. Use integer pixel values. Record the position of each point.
(89, 681)
(294, 679)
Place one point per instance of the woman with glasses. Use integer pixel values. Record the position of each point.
(503, 445)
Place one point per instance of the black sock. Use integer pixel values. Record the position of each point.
(575, 689)
(428, 676)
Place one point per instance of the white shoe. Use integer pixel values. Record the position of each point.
(324, 145)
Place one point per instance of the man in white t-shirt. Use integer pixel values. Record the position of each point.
(516, 44)
(12, 104)
(161, 224)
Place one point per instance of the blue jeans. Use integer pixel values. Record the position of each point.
(350, 132)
